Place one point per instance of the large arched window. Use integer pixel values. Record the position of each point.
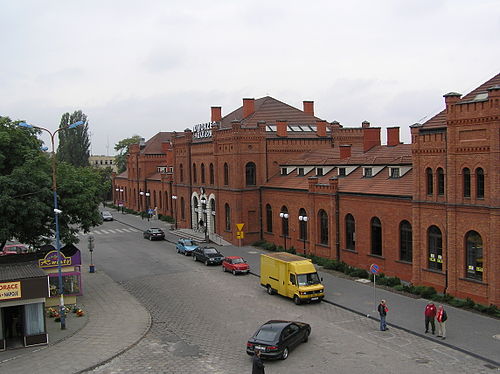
(183, 208)
(303, 224)
(226, 174)
(194, 173)
(212, 175)
(250, 174)
(269, 218)
(430, 181)
(440, 181)
(323, 227)
(474, 253)
(405, 242)
(435, 246)
(466, 176)
(350, 232)
(376, 236)
(202, 172)
(227, 210)
(479, 183)
(284, 221)
(181, 173)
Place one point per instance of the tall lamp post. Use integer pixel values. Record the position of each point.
(303, 227)
(284, 217)
(117, 196)
(174, 197)
(122, 200)
(62, 312)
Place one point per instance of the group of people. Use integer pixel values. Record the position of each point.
(431, 313)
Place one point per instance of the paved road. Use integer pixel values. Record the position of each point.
(201, 318)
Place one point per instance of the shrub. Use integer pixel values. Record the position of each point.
(419, 290)
(437, 297)
(480, 308)
(381, 281)
(469, 303)
(393, 281)
(459, 303)
(291, 250)
(428, 292)
(410, 288)
(399, 287)
(259, 243)
(359, 273)
(493, 310)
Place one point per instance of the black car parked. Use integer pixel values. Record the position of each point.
(275, 339)
(208, 255)
(154, 234)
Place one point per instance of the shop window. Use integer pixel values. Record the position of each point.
(226, 174)
(212, 174)
(405, 242)
(227, 210)
(479, 183)
(474, 253)
(350, 232)
(34, 319)
(466, 177)
(323, 227)
(430, 181)
(269, 218)
(202, 172)
(435, 248)
(194, 173)
(250, 174)
(440, 181)
(376, 237)
(71, 284)
(302, 224)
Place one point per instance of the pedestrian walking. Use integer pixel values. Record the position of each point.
(257, 364)
(430, 314)
(441, 322)
(382, 310)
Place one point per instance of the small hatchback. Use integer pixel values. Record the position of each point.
(236, 265)
(185, 246)
(154, 234)
(106, 216)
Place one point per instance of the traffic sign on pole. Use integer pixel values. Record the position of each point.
(374, 268)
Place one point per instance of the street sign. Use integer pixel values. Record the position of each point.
(374, 269)
(240, 235)
(151, 211)
(239, 226)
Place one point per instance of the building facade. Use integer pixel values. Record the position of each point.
(427, 212)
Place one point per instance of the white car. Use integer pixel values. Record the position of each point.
(106, 216)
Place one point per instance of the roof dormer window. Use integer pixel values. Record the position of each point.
(319, 172)
(284, 171)
(394, 173)
(368, 172)
(342, 172)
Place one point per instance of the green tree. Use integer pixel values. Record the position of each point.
(122, 148)
(74, 144)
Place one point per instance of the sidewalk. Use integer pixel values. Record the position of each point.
(114, 322)
(468, 332)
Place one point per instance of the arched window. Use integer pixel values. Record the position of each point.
(195, 203)
(430, 181)
(181, 173)
(376, 236)
(479, 183)
(202, 172)
(350, 232)
(435, 244)
(194, 173)
(405, 242)
(226, 174)
(466, 176)
(303, 224)
(227, 210)
(212, 175)
(323, 227)
(250, 174)
(440, 181)
(269, 218)
(474, 250)
(183, 208)
(284, 221)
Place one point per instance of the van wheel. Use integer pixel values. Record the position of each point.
(284, 355)
(296, 300)
(206, 263)
(269, 290)
(194, 258)
(306, 337)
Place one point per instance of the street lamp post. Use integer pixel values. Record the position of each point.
(117, 196)
(62, 311)
(303, 223)
(122, 200)
(147, 204)
(204, 211)
(174, 197)
(284, 217)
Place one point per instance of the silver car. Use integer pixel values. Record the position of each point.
(106, 216)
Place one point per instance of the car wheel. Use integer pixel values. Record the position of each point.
(185, 253)
(234, 272)
(269, 290)
(223, 268)
(284, 355)
(194, 258)
(178, 250)
(306, 337)
(206, 263)
(296, 300)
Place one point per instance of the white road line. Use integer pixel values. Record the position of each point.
(133, 230)
(104, 231)
(95, 232)
(112, 231)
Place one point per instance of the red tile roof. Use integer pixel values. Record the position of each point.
(153, 145)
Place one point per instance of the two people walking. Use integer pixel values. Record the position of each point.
(439, 315)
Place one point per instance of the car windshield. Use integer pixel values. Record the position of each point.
(238, 261)
(188, 242)
(210, 250)
(267, 335)
(156, 231)
(106, 213)
(308, 279)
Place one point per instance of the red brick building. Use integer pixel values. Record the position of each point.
(427, 212)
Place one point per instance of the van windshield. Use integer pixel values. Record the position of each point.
(308, 279)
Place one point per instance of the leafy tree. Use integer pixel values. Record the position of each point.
(105, 176)
(74, 144)
(122, 148)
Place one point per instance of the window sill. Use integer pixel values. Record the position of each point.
(404, 262)
(323, 245)
(377, 256)
(349, 250)
(434, 271)
(473, 281)
(268, 233)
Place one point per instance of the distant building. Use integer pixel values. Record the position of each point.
(103, 162)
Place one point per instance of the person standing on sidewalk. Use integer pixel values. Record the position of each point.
(382, 310)
(441, 320)
(430, 314)
(257, 365)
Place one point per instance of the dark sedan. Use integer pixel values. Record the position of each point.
(275, 339)
(154, 234)
(208, 255)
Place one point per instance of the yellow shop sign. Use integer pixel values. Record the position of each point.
(10, 290)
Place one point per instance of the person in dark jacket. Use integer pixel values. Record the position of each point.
(382, 310)
(430, 314)
(257, 364)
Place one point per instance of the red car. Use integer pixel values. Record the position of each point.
(13, 249)
(235, 264)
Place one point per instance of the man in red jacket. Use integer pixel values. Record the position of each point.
(430, 314)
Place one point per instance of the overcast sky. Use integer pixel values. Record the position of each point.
(140, 67)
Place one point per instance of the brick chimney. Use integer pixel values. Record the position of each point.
(281, 127)
(450, 99)
(365, 124)
(371, 137)
(345, 151)
(309, 107)
(248, 107)
(321, 128)
(392, 136)
(216, 114)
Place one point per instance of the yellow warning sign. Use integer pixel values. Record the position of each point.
(239, 226)
(240, 235)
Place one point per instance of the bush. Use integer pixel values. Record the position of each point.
(259, 243)
(469, 303)
(480, 308)
(359, 273)
(437, 297)
(428, 292)
(459, 303)
(393, 281)
(493, 310)
(399, 287)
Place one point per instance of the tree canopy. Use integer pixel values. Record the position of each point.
(122, 148)
(74, 144)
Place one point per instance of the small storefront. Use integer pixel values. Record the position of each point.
(23, 291)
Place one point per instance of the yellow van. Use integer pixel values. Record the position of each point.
(291, 276)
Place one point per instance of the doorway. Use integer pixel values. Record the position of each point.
(13, 326)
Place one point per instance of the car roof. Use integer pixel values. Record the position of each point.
(279, 324)
(155, 228)
(105, 212)
(234, 257)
